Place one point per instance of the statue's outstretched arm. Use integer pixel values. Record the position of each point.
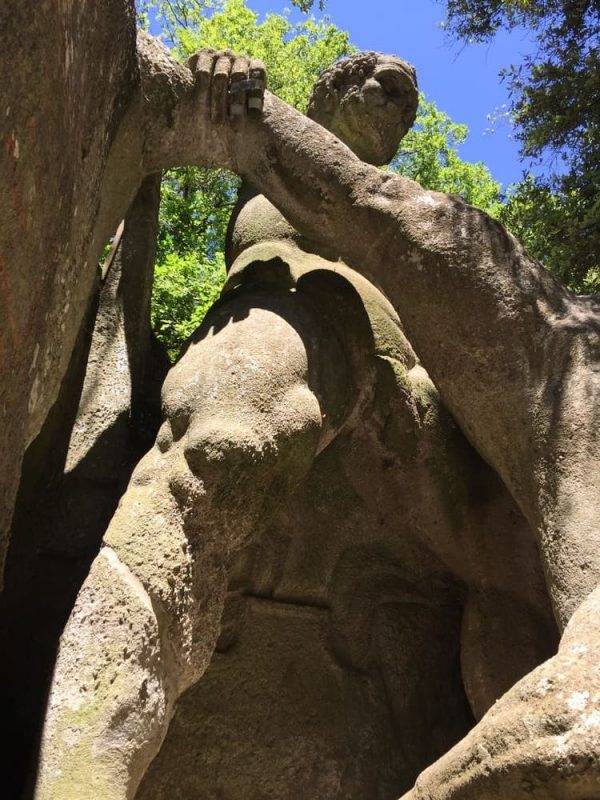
(514, 355)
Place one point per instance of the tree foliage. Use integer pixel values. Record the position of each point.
(543, 220)
(183, 292)
(429, 155)
(307, 5)
(555, 99)
(190, 269)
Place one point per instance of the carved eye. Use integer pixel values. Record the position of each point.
(395, 81)
(390, 81)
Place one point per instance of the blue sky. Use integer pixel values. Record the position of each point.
(462, 80)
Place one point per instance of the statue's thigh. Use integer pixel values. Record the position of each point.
(244, 415)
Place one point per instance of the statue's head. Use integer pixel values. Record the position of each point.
(369, 101)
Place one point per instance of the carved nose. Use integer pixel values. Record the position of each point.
(374, 93)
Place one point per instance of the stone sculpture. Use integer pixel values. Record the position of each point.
(337, 668)
(514, 357)
(520, 372)
(279, 385)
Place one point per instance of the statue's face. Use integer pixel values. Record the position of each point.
(374, 115)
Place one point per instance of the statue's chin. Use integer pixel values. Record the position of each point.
(374, 151)
(375, 145)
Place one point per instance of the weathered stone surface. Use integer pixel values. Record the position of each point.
(267, 390)
(68, 72)
(105, 418)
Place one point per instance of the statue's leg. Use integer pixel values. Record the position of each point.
(110, 700)
(243, 422)
(541, 739)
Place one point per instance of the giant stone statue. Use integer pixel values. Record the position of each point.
(300, 390)
(309, 458)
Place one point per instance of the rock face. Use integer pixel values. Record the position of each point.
(73, 474)
(69, 72)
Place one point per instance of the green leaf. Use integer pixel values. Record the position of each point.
(428, 154)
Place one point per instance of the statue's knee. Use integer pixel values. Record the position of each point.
(218, 479)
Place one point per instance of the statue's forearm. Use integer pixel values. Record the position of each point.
(177, 126)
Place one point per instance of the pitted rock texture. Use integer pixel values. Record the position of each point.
(69, 73)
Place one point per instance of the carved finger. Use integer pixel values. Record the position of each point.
(219, 87)
(200, 57)
(203, 69)
(238, 87)
(256, 94)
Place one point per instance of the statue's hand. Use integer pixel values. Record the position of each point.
(229, 87)
(200, 114)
